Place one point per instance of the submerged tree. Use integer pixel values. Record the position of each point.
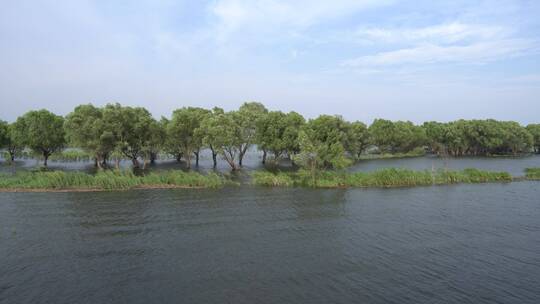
(41, 131)
(156, 140)
(14, 140)
(396, 137)
(247, 118)
(182, 128)
(221, 133)
(277, 133)
(4, 134)
(534, 130)
(131, 129)
(86, 128)
(322, 143)
(205, 132)
(357, 139)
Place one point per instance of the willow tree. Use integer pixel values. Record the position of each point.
(132, 129)
(156, 141)
(399, 136)
(221, 133)
(182, 128)
(277, 133)
(41, 131)
(534, 130)
(357, 139)
(4, 136)
(14, 140)
(246, 119)
(322, 144)
(205, 132)
(86, 129)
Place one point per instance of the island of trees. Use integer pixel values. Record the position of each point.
(114, 131)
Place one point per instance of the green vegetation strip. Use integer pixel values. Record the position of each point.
(380, 178)
(532, 173)
(108, 180)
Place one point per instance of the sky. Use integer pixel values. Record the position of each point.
(417, 60)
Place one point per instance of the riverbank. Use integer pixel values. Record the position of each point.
(383, 178)
(60, 181)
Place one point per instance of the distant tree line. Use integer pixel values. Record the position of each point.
(115, 131)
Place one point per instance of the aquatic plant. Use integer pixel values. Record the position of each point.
(381, 178)
(109, 180)
(532, 173)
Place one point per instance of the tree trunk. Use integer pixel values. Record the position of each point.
(135, 162)
(153, 157)
(264, 156)
(214, 158)
(12, 156)
(117, 163)
(188, 160)
(196, 158)
(145, 162)
(178, 157)
(96, 162)
(45, 158)
(241, 154)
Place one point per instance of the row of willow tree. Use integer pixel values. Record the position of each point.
(115, 131)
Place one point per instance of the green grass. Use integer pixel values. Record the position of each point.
(380, 178)
(109, 180)
(414, 153)
(532, 173)
(70, 156)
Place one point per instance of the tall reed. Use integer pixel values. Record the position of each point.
(109, 180)
(380, 178)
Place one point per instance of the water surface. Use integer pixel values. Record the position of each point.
(442, 244)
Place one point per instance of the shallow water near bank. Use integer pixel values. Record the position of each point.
(446, 244)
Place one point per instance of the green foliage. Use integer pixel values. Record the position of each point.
(478, 137)
(419, 151)
(115, 131)
(322, 142)
(109, 180)
(41, 131)
(182, 131)
(357, 139)
(278, 132)
(534, 130)
(4, 134)
(532, 173)
(380, 178)
(71, 156)
(132, 129)
(87, 129)
(396, 137)
(246, 119)
(220, 131)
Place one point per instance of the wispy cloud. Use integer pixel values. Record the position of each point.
(475, 53)
(454, 42)
(275, 16)
(444, 33)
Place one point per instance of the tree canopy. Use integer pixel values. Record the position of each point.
(116, 131)
(41, 131)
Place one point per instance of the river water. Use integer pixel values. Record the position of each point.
(441, 244)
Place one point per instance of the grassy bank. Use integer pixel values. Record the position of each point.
(532, 173)
(380, 178)
(108, 180)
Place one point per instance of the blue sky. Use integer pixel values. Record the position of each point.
(363, 59)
